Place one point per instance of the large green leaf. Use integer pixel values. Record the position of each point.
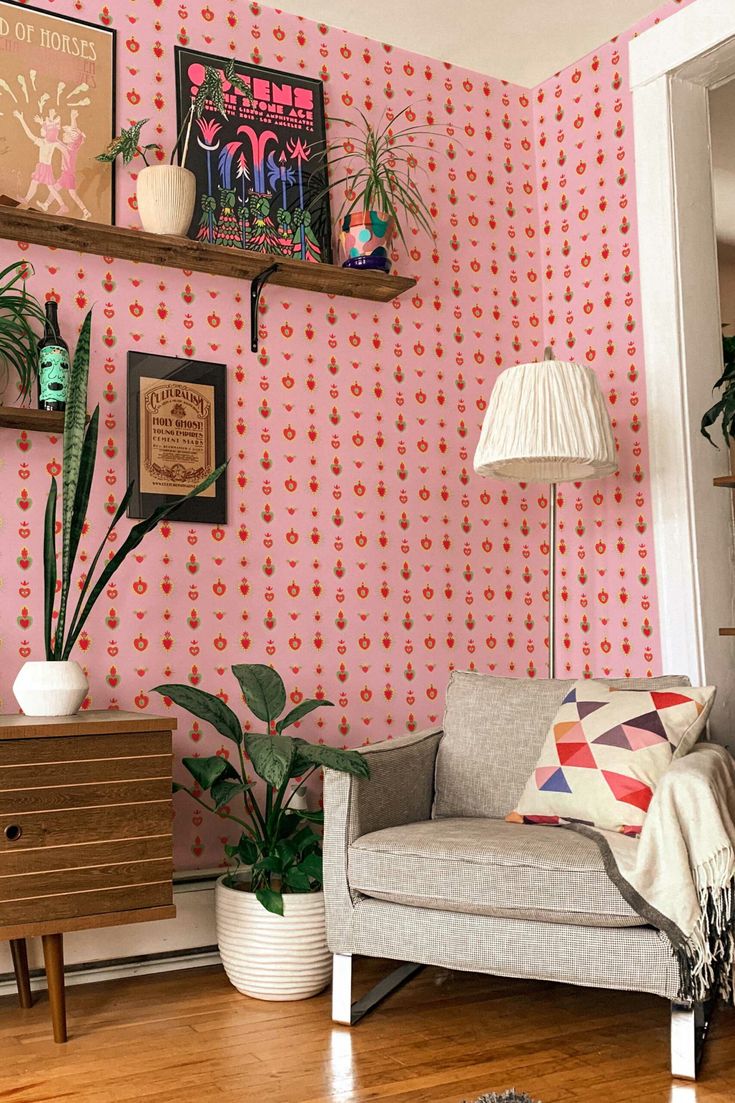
(78, 518)
(347, 762)
(224, 790)
(75, 416)
(271, 757)
(204, 705)
(131, 542)
(271, 900)
(263, 690)
(302, 709)
(49, 567)
(312, 865)
(297, 879)
(206, 771)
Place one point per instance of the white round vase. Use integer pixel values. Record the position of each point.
(50, 689)
(166, 197)
(273, 957)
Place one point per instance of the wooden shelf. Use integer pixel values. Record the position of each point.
(17, 224)
(36, 421)
(727, 631)
(725, 480)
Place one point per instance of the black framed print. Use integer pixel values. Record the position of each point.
(57, 112)
(177, 435)
(260, 172)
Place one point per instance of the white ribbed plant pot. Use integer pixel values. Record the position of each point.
(50, 689)
(273, 957)
(166, 196)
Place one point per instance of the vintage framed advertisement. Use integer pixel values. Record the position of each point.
(177, 435)
(57, 112)
(260, 170)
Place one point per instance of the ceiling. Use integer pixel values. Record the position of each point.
(523, 41)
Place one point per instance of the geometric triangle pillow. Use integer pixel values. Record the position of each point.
(605, 752)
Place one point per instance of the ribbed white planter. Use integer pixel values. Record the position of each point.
(50, 689)
(166, 197)
(273, 957)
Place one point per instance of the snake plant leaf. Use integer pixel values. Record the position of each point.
(129, 544)
(263, 690)
(75, 416)
(78, 517)
(271, 756)
(49, 567)
(206, 706)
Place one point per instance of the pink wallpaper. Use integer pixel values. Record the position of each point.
(363, 557)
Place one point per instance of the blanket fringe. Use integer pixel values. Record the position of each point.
(707, 958)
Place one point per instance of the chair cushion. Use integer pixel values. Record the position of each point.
(606, 751)
(494, 729)
(489, 867)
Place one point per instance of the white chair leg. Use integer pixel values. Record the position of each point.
(689, 1025)
(349, 1013)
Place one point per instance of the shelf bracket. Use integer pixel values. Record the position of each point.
(255, 289)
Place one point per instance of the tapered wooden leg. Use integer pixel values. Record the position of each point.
(53, 956)
(20, 967)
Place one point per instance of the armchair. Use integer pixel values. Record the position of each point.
(421, 867)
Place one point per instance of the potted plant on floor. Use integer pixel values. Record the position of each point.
(270, 905)
(166, 194)
(19, 310)
(381, 194)
(57, 685)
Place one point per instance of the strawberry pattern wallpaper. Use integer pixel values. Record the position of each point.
(363, 557)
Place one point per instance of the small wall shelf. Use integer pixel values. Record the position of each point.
(725, 480)
(35, 421)
(17, 224)
(727, 631)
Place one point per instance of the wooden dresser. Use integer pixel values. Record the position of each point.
(85, 832)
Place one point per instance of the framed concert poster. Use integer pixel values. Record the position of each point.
(177, 435)
(260, 171)
(57, 112)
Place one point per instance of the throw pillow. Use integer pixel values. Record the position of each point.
(605, 752)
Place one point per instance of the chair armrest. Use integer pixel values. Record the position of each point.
(400, 790)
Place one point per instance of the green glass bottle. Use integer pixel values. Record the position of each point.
(53, 363)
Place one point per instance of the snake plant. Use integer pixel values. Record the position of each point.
(19, 310)
(80, 449)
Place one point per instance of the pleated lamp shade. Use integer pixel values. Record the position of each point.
(546, 422)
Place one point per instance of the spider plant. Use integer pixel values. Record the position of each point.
(78, 464)
(211, 90)
(380, 168)
(18, 340)
(724, 409)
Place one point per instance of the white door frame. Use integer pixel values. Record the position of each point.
(672, 67)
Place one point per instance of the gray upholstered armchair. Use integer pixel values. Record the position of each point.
(421, 867)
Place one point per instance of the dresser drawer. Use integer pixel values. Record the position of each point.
(85, 825)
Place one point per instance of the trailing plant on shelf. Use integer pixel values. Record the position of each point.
(19, 310)
(166, 193)
(381, 192)
(61, 628)
(724, 409)
(278, 845)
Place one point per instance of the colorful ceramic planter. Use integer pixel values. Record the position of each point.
(365, 240)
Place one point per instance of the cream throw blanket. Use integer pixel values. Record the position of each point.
(680, 874)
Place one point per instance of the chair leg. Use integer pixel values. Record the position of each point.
(19, 954)
(689, 1026)
(349, 1013)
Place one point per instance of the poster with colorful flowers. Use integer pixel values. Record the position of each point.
(260, 171)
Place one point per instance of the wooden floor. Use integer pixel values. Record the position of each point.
(188, 1037)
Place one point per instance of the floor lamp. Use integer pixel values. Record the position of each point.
(547, 422)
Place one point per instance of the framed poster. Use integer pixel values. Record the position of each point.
(259, 171)
(177, 435)
(57, 112)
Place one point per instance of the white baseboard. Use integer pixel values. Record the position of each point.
(107, 953)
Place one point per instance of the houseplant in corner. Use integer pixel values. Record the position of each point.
(57, 685)
(270, 916)
(166, 194)
(381, 195)
(724, 409)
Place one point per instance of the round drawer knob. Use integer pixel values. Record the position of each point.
(13, 832)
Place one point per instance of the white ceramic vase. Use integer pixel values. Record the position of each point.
(166, 197)
(273, 957)
(50, 689)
